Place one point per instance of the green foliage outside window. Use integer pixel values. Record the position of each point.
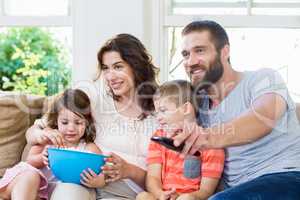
(32, 61)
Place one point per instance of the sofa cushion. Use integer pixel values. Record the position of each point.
(17, 113)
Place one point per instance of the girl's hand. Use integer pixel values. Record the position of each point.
(90, 179)
(50, 136)
(45, 156)
(168, 195)
(115, 168)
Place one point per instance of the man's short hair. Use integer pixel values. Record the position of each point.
(218, 34)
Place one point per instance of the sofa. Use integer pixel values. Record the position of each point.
(17, 113)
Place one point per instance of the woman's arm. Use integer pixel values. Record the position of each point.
(253, 124)
(34, 135)
(136, 174)
(38, 135)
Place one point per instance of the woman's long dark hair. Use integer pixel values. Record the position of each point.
(133, 52)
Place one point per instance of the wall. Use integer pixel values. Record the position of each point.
(97, 20)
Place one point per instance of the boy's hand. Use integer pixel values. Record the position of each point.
(90, 179)
(168, 195)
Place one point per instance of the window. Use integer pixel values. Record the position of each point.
(36, 8)
(262, 33)
(39, 58)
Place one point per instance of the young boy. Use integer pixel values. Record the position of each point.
(165, 178)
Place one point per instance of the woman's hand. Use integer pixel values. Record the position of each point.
(115, 168)
(50, 136)
(90, 179)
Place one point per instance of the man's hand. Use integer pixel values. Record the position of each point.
(192, 135)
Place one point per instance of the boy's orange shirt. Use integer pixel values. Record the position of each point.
(212, 164)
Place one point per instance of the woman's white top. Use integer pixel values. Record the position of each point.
(124, 136)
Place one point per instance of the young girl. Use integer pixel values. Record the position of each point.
(166, 179)
(70, 116)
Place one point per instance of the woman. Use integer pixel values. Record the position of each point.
(123, 118)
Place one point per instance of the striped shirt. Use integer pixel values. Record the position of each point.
(212, 163)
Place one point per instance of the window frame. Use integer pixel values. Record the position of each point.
(7, 20)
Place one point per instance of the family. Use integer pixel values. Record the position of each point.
(242, 128)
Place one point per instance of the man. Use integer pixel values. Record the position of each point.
(252, 117)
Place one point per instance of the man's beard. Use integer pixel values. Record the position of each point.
(212, 75)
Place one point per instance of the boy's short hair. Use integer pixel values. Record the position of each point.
(178, 91)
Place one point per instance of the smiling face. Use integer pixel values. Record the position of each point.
(200, 58)
(168, 114)
(117, 74)
(71, 126)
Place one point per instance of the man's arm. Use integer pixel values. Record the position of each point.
(255, 123)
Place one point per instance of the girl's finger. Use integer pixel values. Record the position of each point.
(85, 184)
(84, 178)
(92, 173)
(86, 174)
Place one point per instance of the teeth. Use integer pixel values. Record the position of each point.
(197, 71)
(115, 85)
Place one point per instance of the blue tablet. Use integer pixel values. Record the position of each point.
(67, 165)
